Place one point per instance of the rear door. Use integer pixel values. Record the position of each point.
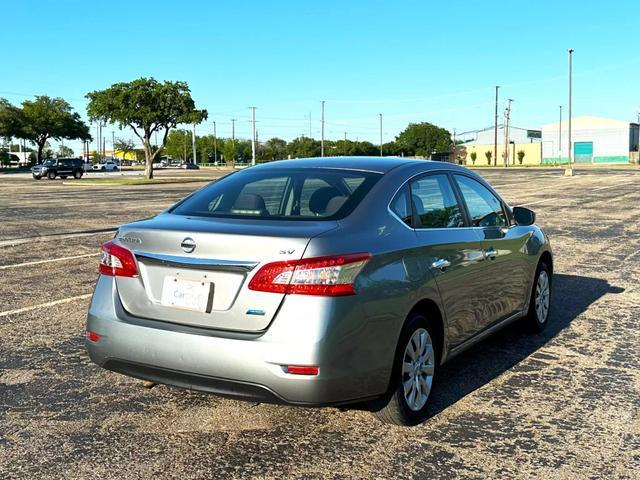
(452, 251)
(503, 246)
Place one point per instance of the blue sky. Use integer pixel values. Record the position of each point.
(409, 60)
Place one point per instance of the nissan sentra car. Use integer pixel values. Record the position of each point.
(319, 282)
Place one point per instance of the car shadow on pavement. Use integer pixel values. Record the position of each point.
(571, 296)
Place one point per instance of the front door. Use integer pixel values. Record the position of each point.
(451, 251)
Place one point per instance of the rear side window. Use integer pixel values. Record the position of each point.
(281, 194)
(402, 207)
(484, 208)
(435, 203)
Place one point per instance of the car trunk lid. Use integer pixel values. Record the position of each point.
(195, 270)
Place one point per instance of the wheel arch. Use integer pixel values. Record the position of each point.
(431, 310)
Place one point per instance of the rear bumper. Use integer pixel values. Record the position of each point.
(246, 366)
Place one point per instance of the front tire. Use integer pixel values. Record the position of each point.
(51, 175)
(540, 301)
(413, 373)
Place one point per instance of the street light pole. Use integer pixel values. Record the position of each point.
(322, 130)
(253, 135)
(193, 144)
(380, 134)
(215, 144)
(495, 132)
(560, 137)
(569, 171)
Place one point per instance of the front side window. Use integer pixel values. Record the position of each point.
(435, 203)
(281, 194)
(484, 208)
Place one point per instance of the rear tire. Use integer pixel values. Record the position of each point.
(77, 175)
(540, 301)
(415, 367)
(51, 175)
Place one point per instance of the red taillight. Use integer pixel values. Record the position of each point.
(302, 370)
(326, 276)
(117, 261)
(94, 337)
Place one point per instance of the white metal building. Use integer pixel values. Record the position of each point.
(594, 140)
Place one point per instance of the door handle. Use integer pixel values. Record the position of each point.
(441, 264)
(491, 253)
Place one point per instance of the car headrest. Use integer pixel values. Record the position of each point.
(320, 199)
(334, 205)
(249, 204)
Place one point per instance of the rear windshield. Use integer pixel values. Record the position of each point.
(279, 194)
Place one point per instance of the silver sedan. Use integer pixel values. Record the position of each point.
(319, 282)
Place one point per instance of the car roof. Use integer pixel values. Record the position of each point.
(372, 164)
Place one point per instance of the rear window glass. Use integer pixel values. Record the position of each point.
(279, 194)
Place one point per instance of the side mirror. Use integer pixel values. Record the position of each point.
(523, 216)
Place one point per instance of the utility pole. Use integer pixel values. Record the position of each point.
(380, 134)
(455, 156)
(322, 130)
(495, 132)
(193, 144)
(310, 131)
(560, 136)
(97, 141)
(233, 130)
(345, 144)
(569, 171)
(507, 116)
(215, 144)
(253, 135)
(113, 144)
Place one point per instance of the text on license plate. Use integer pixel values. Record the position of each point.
(187, 294)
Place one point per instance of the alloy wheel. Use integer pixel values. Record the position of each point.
(417, 369)
(542, 297)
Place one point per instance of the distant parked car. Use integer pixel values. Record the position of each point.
(189, 166)
(108, 166)
(60, 167)
(126, 163)
(87, 166)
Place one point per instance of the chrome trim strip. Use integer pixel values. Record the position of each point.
(482, 335)
(199, 263)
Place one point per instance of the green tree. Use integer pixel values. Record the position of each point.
(488, 154)
(48, 118)
(273, 149)
(422, 139)
(146, 106)
(11, 119)
(178, 145)
(305, 147)
(521, 155)
(126, 146)
(473, 156)
(64, 151)
(229, 151)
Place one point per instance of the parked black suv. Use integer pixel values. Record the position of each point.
(61, 167)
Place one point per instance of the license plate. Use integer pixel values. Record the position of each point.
(187, 294)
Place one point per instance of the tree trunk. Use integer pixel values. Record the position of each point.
(148, 169)
(41, 146)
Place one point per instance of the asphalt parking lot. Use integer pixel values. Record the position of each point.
(562, 404)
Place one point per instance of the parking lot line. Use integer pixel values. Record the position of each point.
(38, 262)
(44, 305)
(56, 236)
